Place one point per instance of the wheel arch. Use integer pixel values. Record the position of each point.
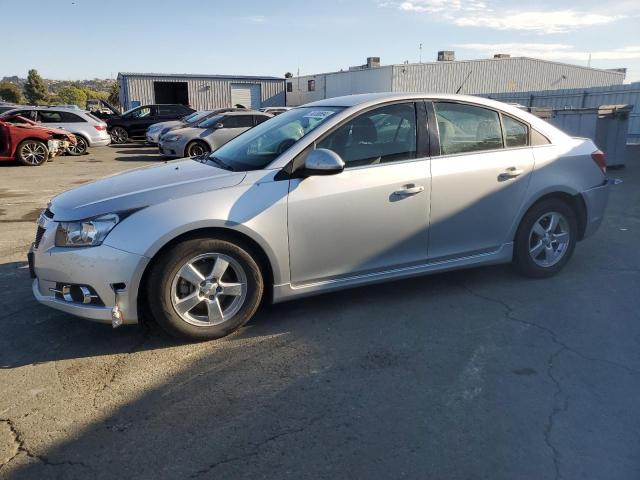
(574, 200)
(261, 256)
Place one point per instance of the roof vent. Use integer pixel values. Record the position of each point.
(446, 56)
(501, 55)
(373, 62)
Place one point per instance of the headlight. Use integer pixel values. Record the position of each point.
(85, 233)
(171, 138)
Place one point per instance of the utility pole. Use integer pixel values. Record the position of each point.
(589, 62)
(420, 54)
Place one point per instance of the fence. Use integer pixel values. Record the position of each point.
(628, 94)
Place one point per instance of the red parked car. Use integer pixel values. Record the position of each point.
(29, 143)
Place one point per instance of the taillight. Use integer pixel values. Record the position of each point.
(601, 160)
(100, 128)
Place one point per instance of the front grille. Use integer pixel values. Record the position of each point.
(48, 213)
(39, 234)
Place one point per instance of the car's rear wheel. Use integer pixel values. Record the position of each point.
(32, 153)
(80, 148)
(119, 135)
(197, 149)
(546, 238)
(204, 288)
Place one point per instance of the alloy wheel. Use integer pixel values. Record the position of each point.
(196, 150)
(80, 147)
(33, 153)
(119, 135)
(209, 289)
(549, 239)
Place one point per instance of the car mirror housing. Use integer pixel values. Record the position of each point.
(219, 125)
(323, 162)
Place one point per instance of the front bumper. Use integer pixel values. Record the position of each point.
(113, 274)
(596, 200)
(171, 149)
(152, 138)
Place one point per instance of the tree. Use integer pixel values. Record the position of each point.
(35, 89)
(72, 96)
(10, 92)
(114, 95)
(288, 75)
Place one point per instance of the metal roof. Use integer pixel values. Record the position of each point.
(191, 75)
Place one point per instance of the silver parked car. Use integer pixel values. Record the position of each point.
(210, 134)
(155, 131)
(89, 130)
(342, 192)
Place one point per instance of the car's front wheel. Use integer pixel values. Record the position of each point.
(545, 239)
(32, 153)
(204, 288)
(119, 135)
(197, 149)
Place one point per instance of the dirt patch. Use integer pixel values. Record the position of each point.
(31, 216)
(6, 193)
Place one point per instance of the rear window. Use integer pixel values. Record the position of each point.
(93, 117)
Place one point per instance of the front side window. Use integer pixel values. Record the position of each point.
(516, 134)
(258, 147)
(140, 113)
(467, 128)
(385, 134)
(49, 116)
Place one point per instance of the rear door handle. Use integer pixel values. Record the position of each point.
(409, 189)
(511, 172)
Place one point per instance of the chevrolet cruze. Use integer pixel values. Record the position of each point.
(334, 194)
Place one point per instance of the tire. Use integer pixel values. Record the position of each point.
(174, 285)
(542, 250)
(196, 149)
(80, 148)
(119, 135)
(32, 153)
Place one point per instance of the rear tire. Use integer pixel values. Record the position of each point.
(196, 149)
(545, 239)
(119, 135)
(204, 288)
(32, 153)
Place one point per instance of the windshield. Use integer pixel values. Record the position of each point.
(195, 117)
(210, 122)
(259, 146)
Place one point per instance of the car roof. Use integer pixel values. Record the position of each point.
(244, 112)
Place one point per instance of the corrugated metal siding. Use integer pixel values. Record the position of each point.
(204, 92)
(628, 94)
(497, 75)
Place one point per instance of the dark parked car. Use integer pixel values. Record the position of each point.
(134, 122)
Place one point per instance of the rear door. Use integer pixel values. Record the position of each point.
(480, 173)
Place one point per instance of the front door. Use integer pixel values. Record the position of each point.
(141, 119)
(374, 215)
(479, 180)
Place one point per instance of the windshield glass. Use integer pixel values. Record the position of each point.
(259, 146)
(195, 117)
(210, 122)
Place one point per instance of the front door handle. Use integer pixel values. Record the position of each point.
(511, 172)
(409, 189)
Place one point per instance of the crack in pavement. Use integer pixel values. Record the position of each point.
(555, 411)
(256, 448)
(22, 448)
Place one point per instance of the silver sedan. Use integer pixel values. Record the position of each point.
(342, 192)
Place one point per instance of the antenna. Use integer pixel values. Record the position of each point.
(464, 81)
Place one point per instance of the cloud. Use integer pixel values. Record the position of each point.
(477, 13)
(552, 51)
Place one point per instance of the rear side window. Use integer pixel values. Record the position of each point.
(47, 116)
(171, 110)
(260, 118)
(516, 134)
(467, 128)
(68, 117)
(238, 121)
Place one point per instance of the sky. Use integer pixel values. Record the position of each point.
(83, 39)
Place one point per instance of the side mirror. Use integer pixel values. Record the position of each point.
(219, 125)
(323, 162)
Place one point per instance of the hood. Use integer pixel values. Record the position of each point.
(140, 188)
(163, 125)
(193, 132)
(49, 130)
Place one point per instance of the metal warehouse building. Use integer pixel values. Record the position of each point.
(201, 92)
(499, 74)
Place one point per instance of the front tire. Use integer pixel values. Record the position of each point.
(197, 149)
(80, 148)
(204, 288)
(119, 135)
(32, 153)
(545, 239)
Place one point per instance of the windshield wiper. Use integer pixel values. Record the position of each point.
(220, 163)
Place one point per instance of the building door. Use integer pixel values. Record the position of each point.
(171, 92)
(246, 94)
